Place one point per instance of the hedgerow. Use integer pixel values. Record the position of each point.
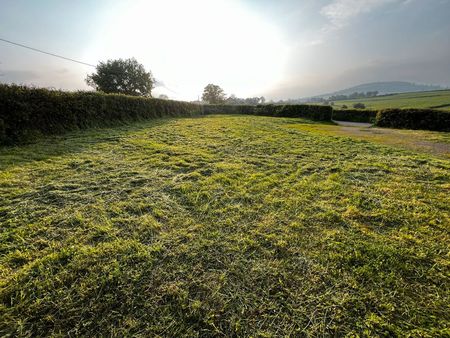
(313, 112)
(26, 113)
(427, 119)
(228, 109)
(355, 115)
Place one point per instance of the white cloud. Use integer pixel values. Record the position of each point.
(340, 12)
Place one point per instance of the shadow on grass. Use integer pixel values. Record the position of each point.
(50, 146)
(47, 147)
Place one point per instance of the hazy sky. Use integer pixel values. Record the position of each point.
(276, 48)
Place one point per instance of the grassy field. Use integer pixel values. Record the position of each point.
(224, 226)
(435, 99)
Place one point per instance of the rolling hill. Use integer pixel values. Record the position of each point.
(391, 87)
(439, 99)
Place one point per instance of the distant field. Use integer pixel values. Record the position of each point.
(435, 99)
(226, 226)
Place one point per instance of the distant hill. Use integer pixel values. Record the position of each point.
(383, 88)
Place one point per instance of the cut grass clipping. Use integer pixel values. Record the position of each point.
(223, 226)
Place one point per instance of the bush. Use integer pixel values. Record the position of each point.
(2, 130)
(26, 113)
(355, 115)
(228, 109)
(313, 112)
(359, 106)
(426, 119)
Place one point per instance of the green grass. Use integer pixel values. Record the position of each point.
(223, 226)
(434, 99)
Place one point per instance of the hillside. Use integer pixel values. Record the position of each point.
(434, 99)
(389, 87)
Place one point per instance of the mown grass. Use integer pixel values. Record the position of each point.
(419, 141)
(439, 99)
(222, 226)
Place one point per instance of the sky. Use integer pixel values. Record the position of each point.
(279, 49)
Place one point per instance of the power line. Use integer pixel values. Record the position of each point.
(68, 59)
(48, 53)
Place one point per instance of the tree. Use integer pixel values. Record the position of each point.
(163, 97)
(122, 76)
(252, 101)
(213, 94)
(232, 99)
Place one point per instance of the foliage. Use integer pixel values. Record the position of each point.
(121, 76)
(26, 113)
(247, 101)
(213, 94)
(314, 112)
(427, 119)
(359, 105)
(332, 98)
(354, 115)
(226, 226)
(352, 96)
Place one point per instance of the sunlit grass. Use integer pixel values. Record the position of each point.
(222, 226)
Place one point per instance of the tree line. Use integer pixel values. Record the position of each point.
(129, 77)
(213, 94)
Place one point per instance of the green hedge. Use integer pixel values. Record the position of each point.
(26, 113)
(427, 119)
(228, 109)
(355, 115)
(313, 112)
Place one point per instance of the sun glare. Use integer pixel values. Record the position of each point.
(188, 44)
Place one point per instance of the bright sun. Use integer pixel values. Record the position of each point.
(188, 44)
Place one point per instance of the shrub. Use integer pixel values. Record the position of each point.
(427, 119)
(228, 109)
(313, 112)
(26, 113)
(359, 106)
(355, 115)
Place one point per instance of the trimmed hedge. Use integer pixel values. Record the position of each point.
(313, 112)
(427, 119)
(26, 113)
(228, 109)
(355, 115)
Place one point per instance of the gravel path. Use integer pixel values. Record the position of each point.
(406, 138)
